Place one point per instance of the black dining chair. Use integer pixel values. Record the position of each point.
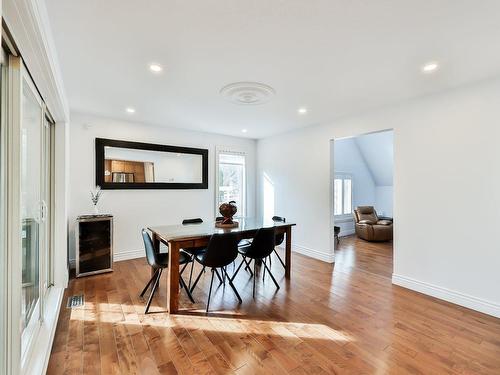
(222, 249)
(193, 251)
(159, 261)
(279, 239)
(261, 247)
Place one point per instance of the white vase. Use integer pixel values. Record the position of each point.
(96, 210)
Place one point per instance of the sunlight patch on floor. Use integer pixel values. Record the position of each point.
(107, 313)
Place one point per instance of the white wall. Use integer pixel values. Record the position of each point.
(348, 159)
(384, 200)
(446, 158)
(136, 209)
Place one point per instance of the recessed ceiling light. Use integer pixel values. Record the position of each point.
(244, 130)
(302, 111)
(155, 68)
(130, 110)
(430, 67)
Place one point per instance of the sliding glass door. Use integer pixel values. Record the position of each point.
(26, 218)
(35, 152)
(3, 215)
(32, 207)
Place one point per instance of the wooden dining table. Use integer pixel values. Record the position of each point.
(177, 237)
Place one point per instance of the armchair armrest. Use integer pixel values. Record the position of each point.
(366, 222)
(384, 222)
(385, 218)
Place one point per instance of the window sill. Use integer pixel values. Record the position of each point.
(39, 357)
(342, 219)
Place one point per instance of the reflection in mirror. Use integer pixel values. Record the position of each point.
(127, 165)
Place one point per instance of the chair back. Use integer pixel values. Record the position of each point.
(263, 243)
(222, 250)
(365, 213)
(192, 221)
(279, 237)
(150, 249)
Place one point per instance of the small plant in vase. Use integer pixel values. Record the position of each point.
(96, 196)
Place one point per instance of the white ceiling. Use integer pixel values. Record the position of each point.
(334, 57)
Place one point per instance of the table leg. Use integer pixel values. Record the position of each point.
(288, 252)
(156, 245)
(173, 278)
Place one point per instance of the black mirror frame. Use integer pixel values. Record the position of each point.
(100, 143)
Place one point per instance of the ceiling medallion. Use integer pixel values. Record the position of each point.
(247, 93)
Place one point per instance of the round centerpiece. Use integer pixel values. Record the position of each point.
(227, 210)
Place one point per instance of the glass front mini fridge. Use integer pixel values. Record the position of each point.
(94, 244)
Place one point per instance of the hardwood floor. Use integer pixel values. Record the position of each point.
(342, 319)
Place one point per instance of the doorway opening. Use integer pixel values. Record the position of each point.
(362, 201)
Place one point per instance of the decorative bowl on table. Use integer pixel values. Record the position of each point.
(227, 210)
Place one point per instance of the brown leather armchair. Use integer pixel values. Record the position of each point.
(368, 225)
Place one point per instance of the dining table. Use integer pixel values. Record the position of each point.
(183, 236)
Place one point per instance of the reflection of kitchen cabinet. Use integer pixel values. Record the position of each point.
(94, 244)
(138, 170)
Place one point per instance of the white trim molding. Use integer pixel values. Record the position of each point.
(474, 303)
(325, 256)
(130, 254)
(28, 22)
(118, 257)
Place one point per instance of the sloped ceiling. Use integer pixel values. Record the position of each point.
(377, 151)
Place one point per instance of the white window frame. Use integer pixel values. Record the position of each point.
(228, 150)
(4, 227)
(343, 176)
(19, 352)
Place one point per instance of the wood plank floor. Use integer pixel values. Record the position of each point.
(342, 319)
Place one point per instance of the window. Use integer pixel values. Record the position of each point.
(29, 229)
(342, 195)
(231, 180)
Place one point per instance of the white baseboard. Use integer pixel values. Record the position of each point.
(345, 233)
(311, 253)
(117, 257)
(130, 254)
(457, 298)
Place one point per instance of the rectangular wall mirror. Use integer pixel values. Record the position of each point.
(135, 165)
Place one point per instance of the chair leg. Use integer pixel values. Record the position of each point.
(191, 273)
(218, 276)
(155, 286)
(183, 268)
(254, 277)
(279, 258)
(210, 290)
(183, 283)
(272, 277)
(248, 266)
(264, 270)
(232, 286)
(197, 279)
(237, 270)
(149, 283)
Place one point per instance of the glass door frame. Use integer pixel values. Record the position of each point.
(4, 145)
(30, 332)
(20, 344)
